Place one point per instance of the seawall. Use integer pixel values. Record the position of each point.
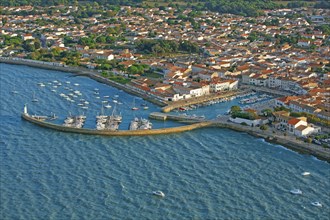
(116, 133)
(295, 145)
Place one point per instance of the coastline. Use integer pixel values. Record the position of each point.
(298, 146)
(295, 145)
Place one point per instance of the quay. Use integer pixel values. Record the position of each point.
(201, 99)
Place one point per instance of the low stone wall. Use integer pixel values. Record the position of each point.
(116, 133)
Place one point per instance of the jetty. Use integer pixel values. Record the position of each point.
(78, 130)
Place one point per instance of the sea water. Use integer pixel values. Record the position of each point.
(210, 173)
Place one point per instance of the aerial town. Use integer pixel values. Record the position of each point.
(182, 55)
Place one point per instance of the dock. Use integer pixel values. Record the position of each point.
(181, 118)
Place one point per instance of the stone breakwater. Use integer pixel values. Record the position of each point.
(116, 133)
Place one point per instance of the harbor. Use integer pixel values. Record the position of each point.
(92, 109)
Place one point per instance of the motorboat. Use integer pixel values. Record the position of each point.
(317, 204)
(107, 106)
(158, 193)
(296, 191)
(306, 173)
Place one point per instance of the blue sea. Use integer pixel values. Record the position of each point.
(210, 173)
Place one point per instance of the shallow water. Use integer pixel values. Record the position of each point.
(209, 173)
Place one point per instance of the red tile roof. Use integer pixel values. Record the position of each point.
(293, 121)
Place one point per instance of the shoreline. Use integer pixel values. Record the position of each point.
(300, 147)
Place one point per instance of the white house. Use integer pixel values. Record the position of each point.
(303, 130)
(295, 123)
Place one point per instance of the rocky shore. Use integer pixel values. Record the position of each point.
(288, 141)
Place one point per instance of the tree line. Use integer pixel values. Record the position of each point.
(165, 46)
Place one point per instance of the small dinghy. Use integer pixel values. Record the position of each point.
(317, 204)
(296, 191)
(158, 193)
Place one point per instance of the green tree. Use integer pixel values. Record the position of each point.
(235, 109)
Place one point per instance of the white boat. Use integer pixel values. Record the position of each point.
(134, 108)
(158, 193)
(317, 204)
(306, 173)
(296, 191)
(76, 84)
(106, 96)
(107, 106)
(134, 125)
(84, 107)
(67, 82)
